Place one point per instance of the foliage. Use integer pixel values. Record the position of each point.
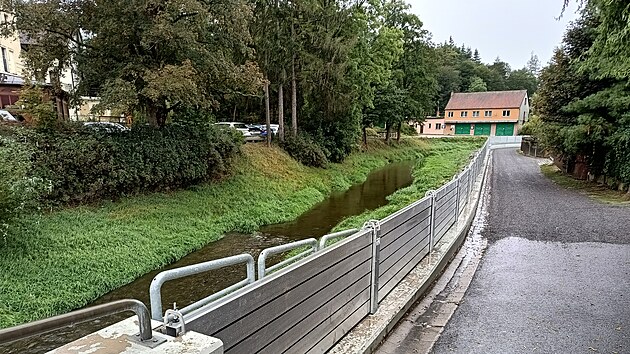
(143, 55)
(19, 190)
(86, 165)
(477, 85)
(305, 150)
(583, 101)
(36, 105)
(532, 127)
(407, 129)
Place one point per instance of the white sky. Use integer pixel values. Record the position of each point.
(510, 29)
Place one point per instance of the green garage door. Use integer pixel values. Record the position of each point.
(482, 129)
(462, 129)
(505, 129)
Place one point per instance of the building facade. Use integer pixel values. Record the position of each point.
(432, 126)
(499, 113)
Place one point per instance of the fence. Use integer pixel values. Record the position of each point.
(312, 299)
(310, 304)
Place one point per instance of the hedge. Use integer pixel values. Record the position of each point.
(85, 165)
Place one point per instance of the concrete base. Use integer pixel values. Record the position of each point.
(370, 332)
(117, 339)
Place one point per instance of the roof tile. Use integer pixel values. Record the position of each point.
(482, 100)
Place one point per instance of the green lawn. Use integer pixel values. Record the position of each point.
(598, 192)
(62, 260)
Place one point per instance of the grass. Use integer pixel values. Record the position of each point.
(600, 193)
(65, 259)
(447, 157)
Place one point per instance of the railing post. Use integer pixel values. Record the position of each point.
(375, 225)
(457, 198)
(432, 223)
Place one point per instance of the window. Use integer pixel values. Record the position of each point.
(487, 114)
(506, 113)
(429, 125)
(450, 114)
(475, 113)
(5, 62)
(463, 114)
(438, 126)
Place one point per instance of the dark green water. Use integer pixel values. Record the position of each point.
(316, 222)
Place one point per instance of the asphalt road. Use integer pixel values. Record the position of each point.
(556, 274)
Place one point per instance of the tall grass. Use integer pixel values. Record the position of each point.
(65, 259)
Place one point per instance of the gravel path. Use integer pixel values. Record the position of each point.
(555, 277)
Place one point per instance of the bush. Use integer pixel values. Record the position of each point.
(305, 150)
(18, 190)
(407, 129)
(85, 165)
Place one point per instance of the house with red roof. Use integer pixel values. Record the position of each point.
(499, 113)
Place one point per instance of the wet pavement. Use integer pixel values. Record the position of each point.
(556, 274)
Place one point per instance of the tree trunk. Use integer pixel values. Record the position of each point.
(365, 136)
(156, 115)
(399, 129)
(267, 115)
(281, 111)
(388, 132)
(293, 99)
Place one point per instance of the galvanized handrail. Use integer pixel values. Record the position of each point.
(155, 294)
(268, 252)
(26, 330)
(334, 235)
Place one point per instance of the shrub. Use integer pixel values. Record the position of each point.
(86, 165)
(18, 190)
(305, 150)
(407, 129)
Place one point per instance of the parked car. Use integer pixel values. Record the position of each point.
(7, 117)
(241, 127)
(274, 129)
(107, 127)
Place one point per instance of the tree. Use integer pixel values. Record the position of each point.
(533, 65)
(477, 85)
(477, 57)
(144, 56)
(522, 79)
(584, 105)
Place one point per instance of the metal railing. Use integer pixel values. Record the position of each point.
(335, 236)
(71, 318)
(268, 252)
(155, 293)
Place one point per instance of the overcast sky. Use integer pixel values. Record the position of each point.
(509, 29)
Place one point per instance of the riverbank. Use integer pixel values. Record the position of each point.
(64, 260)
(443, 162)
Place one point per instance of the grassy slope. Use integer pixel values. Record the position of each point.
(65, 259)
(447, 157)
(598, 192)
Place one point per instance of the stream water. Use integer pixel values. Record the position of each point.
(316, 222)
